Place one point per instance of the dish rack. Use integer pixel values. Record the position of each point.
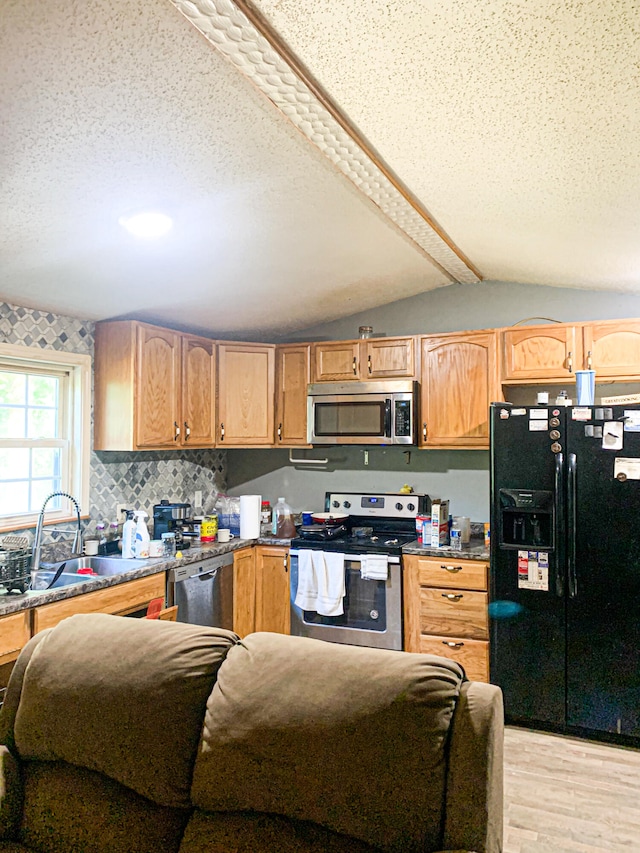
(15, 563)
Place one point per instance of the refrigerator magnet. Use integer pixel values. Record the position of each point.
(631, 420)
(612, 435)
(581, 413)
(533, 570)
(626, 469)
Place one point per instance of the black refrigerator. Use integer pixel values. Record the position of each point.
(565, 567)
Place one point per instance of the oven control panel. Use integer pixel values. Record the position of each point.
(381, 505)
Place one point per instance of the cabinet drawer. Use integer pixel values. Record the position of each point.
(122, 598)
(463, 613)
(15, 631)
(452, 572)
(473, 655)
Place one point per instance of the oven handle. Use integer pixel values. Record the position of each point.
(394, 560)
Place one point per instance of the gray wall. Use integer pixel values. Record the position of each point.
(462, 476)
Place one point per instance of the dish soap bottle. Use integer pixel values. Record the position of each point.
(282, 523)
(128, 536)
(141, 547)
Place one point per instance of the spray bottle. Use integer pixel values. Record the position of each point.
(128, 536)
(141, 546)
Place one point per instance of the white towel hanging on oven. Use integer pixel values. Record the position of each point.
(374, 567)
(307, 592)
(329, 571)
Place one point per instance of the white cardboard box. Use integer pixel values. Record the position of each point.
(439, 523)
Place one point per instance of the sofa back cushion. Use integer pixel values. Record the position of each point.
(124, 697)
(351, 738)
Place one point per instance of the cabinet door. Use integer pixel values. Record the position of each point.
(246, 374)
(244, 591)
(336, 362)
(15, 631)
(540, 352)
(272, 590)
(292, 378)
(458, 384)
(197, 427)
(388, 357)
(612, 348)
(157, 387)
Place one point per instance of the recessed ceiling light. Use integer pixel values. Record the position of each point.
(148, 225)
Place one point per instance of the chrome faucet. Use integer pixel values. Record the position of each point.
(37, 542)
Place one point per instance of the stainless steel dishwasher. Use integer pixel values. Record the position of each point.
(203, 592)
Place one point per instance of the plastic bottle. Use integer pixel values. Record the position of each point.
(128, 537)
(456, 535)
(282, 524)
(141, 547)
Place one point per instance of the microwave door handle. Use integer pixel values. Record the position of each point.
(387, 418)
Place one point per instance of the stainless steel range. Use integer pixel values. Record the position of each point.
(346, 574)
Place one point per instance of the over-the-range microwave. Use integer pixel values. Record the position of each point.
(362, 412)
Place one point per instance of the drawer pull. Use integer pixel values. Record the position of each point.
(452, 596)
(452, 645)
(451, 568)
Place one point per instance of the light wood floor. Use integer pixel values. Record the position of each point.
(565, 795)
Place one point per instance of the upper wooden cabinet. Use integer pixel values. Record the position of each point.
(373, 358)
(292, 378)
(246, 374)
(459, 381)
(612, 348)
(553, 351)
(154, 388)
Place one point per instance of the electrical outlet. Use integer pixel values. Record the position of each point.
(120, 512)
(197, 501)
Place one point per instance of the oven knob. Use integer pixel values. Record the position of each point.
(346, 504)
(374, 614)
(410, 507)
(398, 506)
(336, 504)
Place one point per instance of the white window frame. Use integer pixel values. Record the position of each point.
(75, 413)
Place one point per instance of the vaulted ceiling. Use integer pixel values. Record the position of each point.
(317, 158)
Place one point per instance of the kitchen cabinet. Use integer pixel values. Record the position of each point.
(261, 590)
(459, 381)
(612, 349)
(154, 388)
(246, 392)
(446, 610)
(15, 632)
(272, 589)
(123, 598)
(371, 358)
(244, 591)
(552, 352)
(292, 378)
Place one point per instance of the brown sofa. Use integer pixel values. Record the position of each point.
(136, 735)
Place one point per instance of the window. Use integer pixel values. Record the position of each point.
(44, 433)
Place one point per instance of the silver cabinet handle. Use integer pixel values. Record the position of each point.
(187, 431)
(424, 430)
(369, 364)
(355, 366)
(452, 596)
(589, 360)
(452, 645)
(177, 431)
(221, 432)
(570, 362)
(280, 432)
(451, 568)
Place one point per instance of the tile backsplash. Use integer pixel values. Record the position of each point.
(139, 479)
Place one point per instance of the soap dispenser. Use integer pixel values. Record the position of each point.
(128, 537)
(141, 547)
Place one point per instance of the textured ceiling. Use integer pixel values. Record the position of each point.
(506, 134)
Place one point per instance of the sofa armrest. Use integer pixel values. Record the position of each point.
(10, 794)
(474, 800)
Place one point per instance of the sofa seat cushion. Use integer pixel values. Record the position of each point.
(353, 739)
(125, 697)
(13, 847)
(247, 832)
(68, 808)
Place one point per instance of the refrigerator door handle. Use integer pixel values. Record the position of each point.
(559, 524)
(572, 470)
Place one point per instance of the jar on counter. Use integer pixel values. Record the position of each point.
(265, 512)
(168, 544)
(209, 528)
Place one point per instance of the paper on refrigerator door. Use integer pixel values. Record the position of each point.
(626, 469)
(533, 570)
(612, 435)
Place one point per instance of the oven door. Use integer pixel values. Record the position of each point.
(372, 609)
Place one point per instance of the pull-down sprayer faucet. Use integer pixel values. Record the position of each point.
(37, 542)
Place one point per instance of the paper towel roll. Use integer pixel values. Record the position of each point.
(250, 516)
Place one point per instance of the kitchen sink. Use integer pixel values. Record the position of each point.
(103, 566)
(41, 579)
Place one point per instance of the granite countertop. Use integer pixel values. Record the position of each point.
(13, 603)
(475, 550)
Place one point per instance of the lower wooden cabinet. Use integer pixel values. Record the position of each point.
(15, 631)
(446, 610)
(120, 599)
(261, 590)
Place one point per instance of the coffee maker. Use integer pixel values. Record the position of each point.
(171, 518)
